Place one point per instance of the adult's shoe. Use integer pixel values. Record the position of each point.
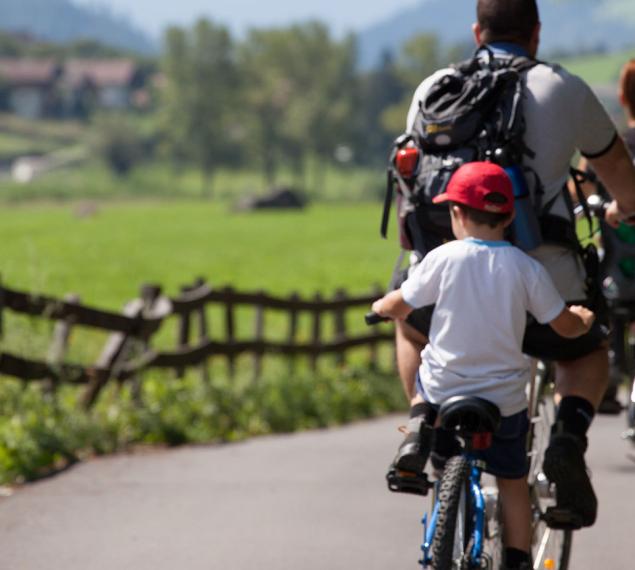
(565, 467)
(610, 405)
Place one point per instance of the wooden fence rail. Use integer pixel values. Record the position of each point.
(129, 351)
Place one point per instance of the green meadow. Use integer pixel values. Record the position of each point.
(104, 252)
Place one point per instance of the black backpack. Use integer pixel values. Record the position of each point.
(473, 113)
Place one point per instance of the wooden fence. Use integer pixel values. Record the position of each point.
(129, 351)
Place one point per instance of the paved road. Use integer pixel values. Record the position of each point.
(301, 502)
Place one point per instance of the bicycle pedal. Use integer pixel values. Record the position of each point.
(406, 482)
(562, 519)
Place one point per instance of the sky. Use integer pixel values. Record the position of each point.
(239, 15)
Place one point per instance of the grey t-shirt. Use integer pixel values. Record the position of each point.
(562, 115)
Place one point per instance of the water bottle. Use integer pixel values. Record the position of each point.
(525, 226)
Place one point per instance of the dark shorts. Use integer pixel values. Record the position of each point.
(541, 341)
(507, 456)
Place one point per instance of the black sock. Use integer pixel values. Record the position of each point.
(514, 558)
(574, 416)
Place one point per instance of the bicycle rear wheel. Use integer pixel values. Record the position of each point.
(453, 526)
(551, 548)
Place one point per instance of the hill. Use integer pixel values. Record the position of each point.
(64, 21)
(568, 26)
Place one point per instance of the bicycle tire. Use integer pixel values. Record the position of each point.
(452, 532)
(547, 543)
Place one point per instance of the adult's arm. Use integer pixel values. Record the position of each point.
(616, 171)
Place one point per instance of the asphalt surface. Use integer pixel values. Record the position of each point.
(308, 501)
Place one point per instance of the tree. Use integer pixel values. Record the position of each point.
(379, 89)
(117, 142)
(298, 94)
(421, 56)
(199, 102)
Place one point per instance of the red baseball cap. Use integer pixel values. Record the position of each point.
(482, 186)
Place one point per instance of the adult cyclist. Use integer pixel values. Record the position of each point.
(562, 116)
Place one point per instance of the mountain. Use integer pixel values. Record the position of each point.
(64, 21)
(570, 26)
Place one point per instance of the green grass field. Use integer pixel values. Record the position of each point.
(603, 69)
(106, 257)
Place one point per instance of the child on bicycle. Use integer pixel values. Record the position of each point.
(482, 288)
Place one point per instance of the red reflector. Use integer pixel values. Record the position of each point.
(481, 441)
(407, 161)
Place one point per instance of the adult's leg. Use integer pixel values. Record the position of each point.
(581, 384)
(409, 343)
(586, 377)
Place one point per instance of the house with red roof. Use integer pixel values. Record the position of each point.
(28, 87)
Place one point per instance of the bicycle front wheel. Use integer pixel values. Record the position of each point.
(551, 548)
(453, 525)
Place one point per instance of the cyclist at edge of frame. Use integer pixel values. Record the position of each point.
(562, 116)
(482, 287)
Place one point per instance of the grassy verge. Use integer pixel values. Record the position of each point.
(38, 434)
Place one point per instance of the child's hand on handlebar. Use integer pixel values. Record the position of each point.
(392, 306)
(586, 316)
(378, 308)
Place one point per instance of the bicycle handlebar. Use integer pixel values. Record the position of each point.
(598, 206)
(373, 318)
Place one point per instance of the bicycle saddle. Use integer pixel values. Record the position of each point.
(469, 414)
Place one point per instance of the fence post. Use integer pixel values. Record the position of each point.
(183, 333)
(149, 294)
(230, 330)
(317, 333)
(59, 344)
(259, 330)
(293, 330)
(112, 356)
(203, 332)
(339, 316)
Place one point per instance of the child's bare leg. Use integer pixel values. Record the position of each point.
(418, 399)
(516, 513)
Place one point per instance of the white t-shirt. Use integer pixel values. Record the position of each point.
(482, 292)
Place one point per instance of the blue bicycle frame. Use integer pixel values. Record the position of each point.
(478, 511)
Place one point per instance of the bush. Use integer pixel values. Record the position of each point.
(116, 141)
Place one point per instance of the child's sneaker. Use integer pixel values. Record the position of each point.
(414, 451)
